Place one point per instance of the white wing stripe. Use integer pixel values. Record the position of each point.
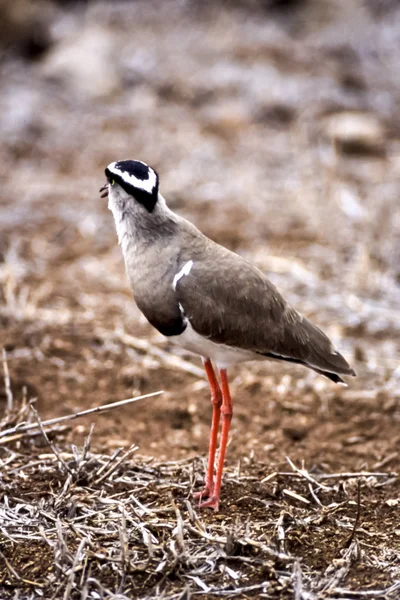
(184, 271)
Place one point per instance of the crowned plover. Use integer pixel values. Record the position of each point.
(209, 300)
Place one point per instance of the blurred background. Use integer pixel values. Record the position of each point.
(275, 128)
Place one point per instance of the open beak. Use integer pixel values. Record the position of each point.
(104, 191)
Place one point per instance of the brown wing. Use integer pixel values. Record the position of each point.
(229, 301)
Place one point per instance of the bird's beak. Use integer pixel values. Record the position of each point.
(104, 191)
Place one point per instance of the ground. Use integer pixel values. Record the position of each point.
(274, 129)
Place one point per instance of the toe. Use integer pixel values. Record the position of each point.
(211, 502)
(206, 492)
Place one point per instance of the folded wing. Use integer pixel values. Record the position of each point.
(234, 303)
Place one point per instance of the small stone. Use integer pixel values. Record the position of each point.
(392, 502)
(355, 132)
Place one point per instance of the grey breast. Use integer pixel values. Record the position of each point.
(151, 265)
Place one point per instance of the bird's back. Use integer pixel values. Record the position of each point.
(231, 302)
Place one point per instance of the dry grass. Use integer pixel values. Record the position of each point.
(80, 524)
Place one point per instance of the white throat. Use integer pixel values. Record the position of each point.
(119, 220)
(125, 218)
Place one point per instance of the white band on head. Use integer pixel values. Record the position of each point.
(147, 185)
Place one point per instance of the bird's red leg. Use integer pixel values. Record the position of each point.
(216, 400)
(226, 410)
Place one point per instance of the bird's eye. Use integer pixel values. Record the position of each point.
(112, 181)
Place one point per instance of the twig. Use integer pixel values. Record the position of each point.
(314, 495)
(357, 474)
(81, 460)
(26, 434)
(71, 576)
(271, 476)
(351, 537)
(237, 591)
(297, 581)
(280, 530)
(323, 476)
(7, 382)
(367, 593)
(97, 473)
(385, 461)
(50, 444)
(124, 542)
(76, 415)
(10, 567)
(295, 496)
(306, 475)
(115, 466)
(178, 531)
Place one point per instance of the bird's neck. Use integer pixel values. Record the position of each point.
(124, 224)
(136, 228)
(143, 237)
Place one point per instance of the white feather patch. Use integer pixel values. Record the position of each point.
(184, 271)
(147, 185)
(223, 356)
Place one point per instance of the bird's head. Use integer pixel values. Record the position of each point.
(133, 181)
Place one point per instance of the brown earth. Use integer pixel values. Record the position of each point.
(242, 110)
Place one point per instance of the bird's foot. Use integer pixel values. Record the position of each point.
(211, 502)
(206, 492)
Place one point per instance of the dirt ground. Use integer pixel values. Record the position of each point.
(275, 128)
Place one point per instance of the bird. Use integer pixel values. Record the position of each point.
(208, 300)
